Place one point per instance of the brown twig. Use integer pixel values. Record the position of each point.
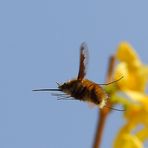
(103, 113)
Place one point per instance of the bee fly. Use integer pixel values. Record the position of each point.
(80, 88)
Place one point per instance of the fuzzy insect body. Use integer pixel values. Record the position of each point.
(85, 90)
(80, 88)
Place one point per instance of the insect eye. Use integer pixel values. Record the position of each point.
(64, 85)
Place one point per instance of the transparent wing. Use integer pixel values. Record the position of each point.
(83, 61)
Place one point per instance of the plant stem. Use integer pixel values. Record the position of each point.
(103, 113)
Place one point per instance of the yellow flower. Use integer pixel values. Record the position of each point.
(137, 111)
(135, 130)
(134, 72)
(125, 53)
(125, 138)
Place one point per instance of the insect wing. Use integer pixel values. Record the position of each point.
(83, 61)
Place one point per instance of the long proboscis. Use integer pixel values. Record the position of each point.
(47, 89)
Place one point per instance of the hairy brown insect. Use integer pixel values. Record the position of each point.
(80, 88)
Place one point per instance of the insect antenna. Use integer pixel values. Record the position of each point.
(112, 81)
(58, 83)
(114, 108)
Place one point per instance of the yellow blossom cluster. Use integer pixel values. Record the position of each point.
(134, 132)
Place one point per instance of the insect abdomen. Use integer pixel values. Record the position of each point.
(86, 90)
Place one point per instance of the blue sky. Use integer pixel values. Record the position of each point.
(39, 46)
